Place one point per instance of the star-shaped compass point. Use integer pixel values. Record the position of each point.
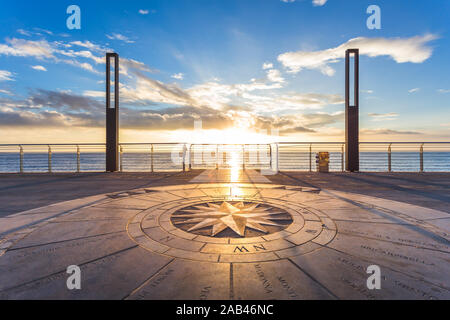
(237, 217)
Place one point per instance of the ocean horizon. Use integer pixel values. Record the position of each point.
(162, 161)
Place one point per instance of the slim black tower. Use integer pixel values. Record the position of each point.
(352, 113)
(112, 115)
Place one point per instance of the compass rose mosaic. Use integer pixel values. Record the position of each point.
(231, 219)
(212, 226)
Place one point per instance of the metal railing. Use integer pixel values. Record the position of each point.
(282, 156)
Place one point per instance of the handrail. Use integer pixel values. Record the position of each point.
(146, 156)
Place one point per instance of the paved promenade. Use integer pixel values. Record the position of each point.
(225, 235)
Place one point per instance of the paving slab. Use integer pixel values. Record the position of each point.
(225, 240)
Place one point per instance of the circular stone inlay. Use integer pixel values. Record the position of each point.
(231, 219)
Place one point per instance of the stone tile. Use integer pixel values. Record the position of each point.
(53, 232)
(254, 257)
(24, 265)
(417, 263)
(98, 213)
(129, 203)
(346, 277)
(442, 224)
(279, 280)
(411, 235)
(311, 230)
(171, 240)
(106, 278)
(194, 281)
(298, 250)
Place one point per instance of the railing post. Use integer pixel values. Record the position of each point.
(278, 158)
(243, 157)
(390, 158)
(217, 157)
(152, 159)
(190, 157)
(258, 164)
(203, 154)
(21, 159)
(421, 157)
(49, 159)
(342, 157)
(184, 157)
(310, 158)
(270, 154)
(78, 159)
(121, 159)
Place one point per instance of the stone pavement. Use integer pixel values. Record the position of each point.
(222, 240)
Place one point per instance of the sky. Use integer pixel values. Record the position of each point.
(249, 70)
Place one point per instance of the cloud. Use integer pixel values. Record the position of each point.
(274, 75)
(443, 90)
(414, 90)
(153, 105)
(367, 91)
(39, 68)
(267, 65)
(4, 91)
(36, 32)
(27, 48)
(319, 3)
(144, 12)
(24, 32)
(63, 101)
(57, 52)
(6, 75)
(402, 50)
(118, 36)
(87, 44)
(314, 2)
(383, 131)
(45, 108)
(383, 116)
(178, 76)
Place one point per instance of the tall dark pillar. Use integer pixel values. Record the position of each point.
(352, 113)
(112, 115)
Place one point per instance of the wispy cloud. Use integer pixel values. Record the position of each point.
(178, 76)
(383, 116)
(144, 12)
(414, 50)
(39, 68)
(319, 3)
(443, 90)
(27, 48)
(414, 90)
(4, 91)
(6, 75)
(87, 44)
(384, 131)
(118, 36)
